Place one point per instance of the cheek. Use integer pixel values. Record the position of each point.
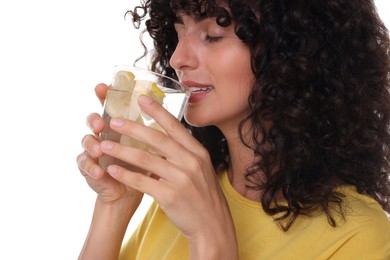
(240, 79)
(241, 85)
(235, 64)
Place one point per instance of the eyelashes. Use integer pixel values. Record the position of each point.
(206, 35)
(212, 39)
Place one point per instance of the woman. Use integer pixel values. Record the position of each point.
(288, 155)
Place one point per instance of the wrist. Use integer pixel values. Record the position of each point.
(109, 223)
(214, 245)
(118, 207)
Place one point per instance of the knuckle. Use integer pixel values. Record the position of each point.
(173, 125)
(196, 164)
(159, 138)
(144, 158)
(137, 181)
(90, 118)
(83, 141)
(86, 141)
(89, 143)
(81, 160)
(204, 154)
(185, 180)
(95, 123)
(170, 199)
(83, 165)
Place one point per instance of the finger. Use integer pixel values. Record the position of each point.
(171, 125)
(137, 181)
(158, 141)
(88, 167)
(95, 123)
(150, 163)
(101, 92)
(176, 156)
(92, 146)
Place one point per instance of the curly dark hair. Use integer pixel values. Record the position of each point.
(322, 81)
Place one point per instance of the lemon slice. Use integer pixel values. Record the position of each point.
(119, 95)
(116, 100)
(123, 80)
(144, 87)
(150, 89)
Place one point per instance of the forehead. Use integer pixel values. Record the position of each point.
(199, 9)
(202, 9)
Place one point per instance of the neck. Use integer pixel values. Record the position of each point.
(240, 157)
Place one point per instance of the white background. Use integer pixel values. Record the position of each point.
(52, 54)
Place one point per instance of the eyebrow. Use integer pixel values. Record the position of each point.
(179, 17)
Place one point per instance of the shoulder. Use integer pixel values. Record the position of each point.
(365, 227)
(360, 208)
(362, 231)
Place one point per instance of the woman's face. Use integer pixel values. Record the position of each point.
(215, 64)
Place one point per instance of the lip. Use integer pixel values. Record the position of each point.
(190, 83)
(198, 90)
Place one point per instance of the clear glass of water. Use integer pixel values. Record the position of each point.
(122, 102)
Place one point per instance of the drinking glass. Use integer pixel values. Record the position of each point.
(122, 102)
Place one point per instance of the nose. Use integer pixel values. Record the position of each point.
(185, 55)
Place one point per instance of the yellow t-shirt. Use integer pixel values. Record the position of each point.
(364, 235)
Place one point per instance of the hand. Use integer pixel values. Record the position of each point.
(107, 188)
(186, 185)
(101, 92)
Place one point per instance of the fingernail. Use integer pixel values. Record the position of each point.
(96, 148)
(96, 172)
(95, 124)
(112, 169)
(117, 122)
(107, 145)
(144, 99)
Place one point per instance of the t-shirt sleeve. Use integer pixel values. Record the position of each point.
(370, 241)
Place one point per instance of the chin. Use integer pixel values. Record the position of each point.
(196, 121)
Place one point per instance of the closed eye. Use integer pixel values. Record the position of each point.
(212, 39)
